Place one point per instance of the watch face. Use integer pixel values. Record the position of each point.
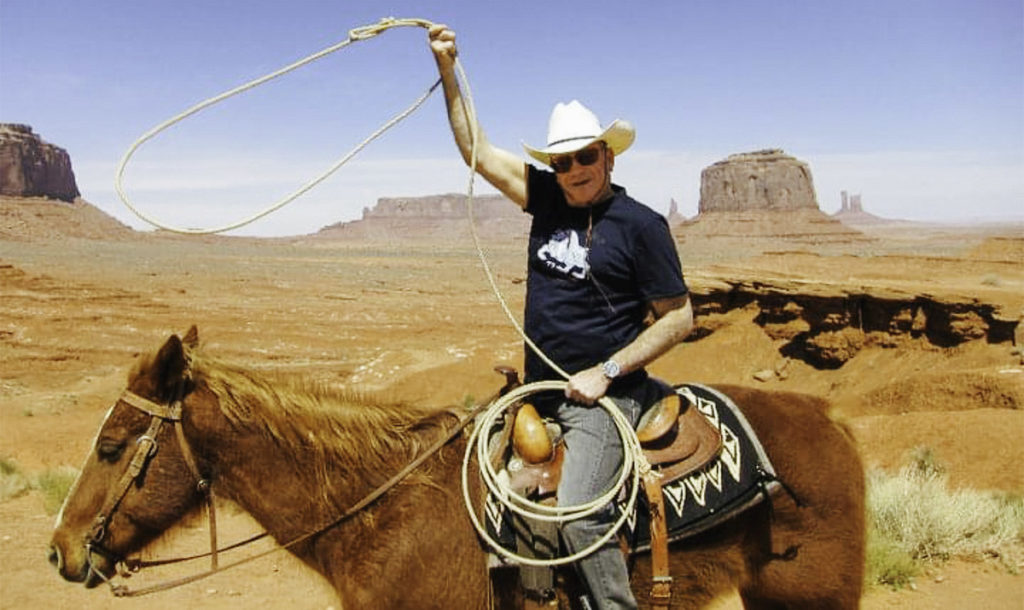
(611, 369)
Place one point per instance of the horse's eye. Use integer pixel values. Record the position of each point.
(110, 450)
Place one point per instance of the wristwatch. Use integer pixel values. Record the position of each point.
(611, 369)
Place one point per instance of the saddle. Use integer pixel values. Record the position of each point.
(676, 441)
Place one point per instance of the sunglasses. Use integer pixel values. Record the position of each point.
(563, 163)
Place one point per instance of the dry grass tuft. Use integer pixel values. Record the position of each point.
(916, 520)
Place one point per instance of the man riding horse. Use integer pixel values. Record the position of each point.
(600, 265)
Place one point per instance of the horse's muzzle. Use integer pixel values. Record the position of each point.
(84, 570)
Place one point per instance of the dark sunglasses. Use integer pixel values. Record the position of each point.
(563, 163)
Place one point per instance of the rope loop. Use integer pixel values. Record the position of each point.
(357, 34)
(478, 445)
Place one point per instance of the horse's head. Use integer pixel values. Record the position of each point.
(138, 479)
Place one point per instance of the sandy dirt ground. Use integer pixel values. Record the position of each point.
(420, 323)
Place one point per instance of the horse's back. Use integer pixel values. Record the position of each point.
(813, 453)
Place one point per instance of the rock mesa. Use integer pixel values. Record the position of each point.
(31, 167)
(762, 180)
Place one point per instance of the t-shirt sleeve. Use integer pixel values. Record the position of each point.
(659, 273)
(541, 189)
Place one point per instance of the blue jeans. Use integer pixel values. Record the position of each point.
(592, 461)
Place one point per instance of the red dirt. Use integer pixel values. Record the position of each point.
(420, 323)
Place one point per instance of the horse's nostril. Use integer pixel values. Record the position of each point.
(55, 557)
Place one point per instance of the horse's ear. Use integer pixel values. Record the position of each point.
(170, 366)
(191, 338)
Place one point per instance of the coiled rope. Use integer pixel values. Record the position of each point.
(521, 505)
(634, 462)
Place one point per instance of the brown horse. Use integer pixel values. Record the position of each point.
(296, 457)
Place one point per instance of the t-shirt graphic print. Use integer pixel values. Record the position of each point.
(566, 254)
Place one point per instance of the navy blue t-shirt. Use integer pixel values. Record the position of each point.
(591, 274)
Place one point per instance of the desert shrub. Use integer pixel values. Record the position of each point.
(914, 514)
(54, 484)
(12, 482)
(887, 563)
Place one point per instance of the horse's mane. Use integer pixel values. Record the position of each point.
(342, 429)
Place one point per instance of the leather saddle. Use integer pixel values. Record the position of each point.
(676, 440)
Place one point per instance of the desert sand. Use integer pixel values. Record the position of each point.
(82, 297)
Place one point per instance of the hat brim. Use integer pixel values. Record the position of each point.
(618, 136)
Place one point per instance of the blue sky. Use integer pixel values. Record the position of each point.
(916, 105)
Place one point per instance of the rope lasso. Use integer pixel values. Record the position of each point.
(355, 35)
(634, 461)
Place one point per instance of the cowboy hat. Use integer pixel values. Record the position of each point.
(573, 126)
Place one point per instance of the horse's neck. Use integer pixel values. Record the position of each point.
(290, 486)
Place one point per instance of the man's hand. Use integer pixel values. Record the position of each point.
(588, 385)
(442, 43)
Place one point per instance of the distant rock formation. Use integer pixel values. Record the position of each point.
(30, 167)
(433, 217)
(766, 193)
(850, 203)
(761, 180)
(451, 205)
(851, 212)
(674, 217)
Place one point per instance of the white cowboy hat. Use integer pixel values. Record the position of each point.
(573, 126)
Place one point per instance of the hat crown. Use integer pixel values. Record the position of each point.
(573, 126)
(572, 121)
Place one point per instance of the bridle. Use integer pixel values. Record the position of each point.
(147, 448)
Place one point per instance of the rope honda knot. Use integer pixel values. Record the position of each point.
(371, 30)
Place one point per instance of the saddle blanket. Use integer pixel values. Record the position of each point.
(740, 477)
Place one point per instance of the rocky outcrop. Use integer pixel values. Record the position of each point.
(674, 217)
(827, 324)
(30, 167)
(851, 212)
(763, 194)
(433, 217)
(451, 206)
(762, 180)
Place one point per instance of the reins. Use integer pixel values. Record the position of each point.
(159, 413)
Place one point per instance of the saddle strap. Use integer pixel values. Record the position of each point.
(661, 579)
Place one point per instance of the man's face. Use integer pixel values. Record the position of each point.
(583, 183)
